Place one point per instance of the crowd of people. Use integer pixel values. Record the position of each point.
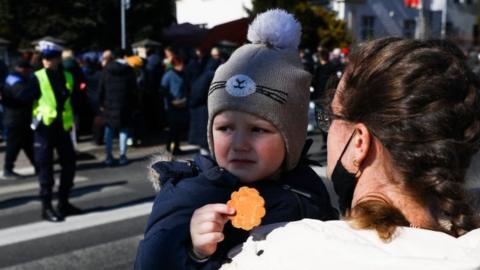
(118, 92)
(49, 97)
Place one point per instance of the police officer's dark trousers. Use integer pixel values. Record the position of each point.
(47, 138)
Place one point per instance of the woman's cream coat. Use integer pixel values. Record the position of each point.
(313, 244)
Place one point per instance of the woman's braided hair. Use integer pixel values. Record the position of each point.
(421, 101)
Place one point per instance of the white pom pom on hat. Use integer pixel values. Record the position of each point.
(276, 28)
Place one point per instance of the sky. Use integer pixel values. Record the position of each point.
(211, 12)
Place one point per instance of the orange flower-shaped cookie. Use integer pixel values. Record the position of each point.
(249, 206)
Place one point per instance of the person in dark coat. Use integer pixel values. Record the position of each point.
(196, 65)
(152, 106)
(83, 114)
(17, 116)
(174, 89)
(323, 71)
(3, 76)
(307, 60)
(197, 132)
(92, 74)
(116, 97)
(137, 129)
(336, 61)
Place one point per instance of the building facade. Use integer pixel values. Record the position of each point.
(369, 19)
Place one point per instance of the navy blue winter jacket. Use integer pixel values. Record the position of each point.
(298, 194)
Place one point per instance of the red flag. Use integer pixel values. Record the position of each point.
(412, 3)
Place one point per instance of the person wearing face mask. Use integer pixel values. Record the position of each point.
(404, 123)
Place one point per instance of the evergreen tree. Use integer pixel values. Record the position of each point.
(82, 23)
(5, 17)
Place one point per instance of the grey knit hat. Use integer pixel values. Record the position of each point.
(267, 79)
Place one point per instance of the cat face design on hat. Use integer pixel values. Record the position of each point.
(240, 86)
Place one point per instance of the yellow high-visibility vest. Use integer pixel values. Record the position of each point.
(46, 105)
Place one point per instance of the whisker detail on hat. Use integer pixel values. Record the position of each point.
(216, 85)
(271, 89)
(215, 88)
(274, 96)
(219, 82)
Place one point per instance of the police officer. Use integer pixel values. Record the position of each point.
(52, 121)
(17, 116)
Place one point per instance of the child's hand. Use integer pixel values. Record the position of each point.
(206, 227)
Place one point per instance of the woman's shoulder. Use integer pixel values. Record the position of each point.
(336, 244)
(340, 231)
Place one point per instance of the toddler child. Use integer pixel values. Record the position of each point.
(258, 106)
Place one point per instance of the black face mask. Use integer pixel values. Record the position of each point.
(344, 182)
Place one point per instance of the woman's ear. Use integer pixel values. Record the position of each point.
(361, 142)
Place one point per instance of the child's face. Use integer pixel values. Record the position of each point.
(247, 146)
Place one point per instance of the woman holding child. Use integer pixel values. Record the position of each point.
(404, 123)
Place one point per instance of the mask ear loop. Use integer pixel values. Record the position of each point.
(345, 148)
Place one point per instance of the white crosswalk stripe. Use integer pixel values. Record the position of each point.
(42, 229)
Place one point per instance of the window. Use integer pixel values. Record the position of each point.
(409, 28)
(367, 27)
